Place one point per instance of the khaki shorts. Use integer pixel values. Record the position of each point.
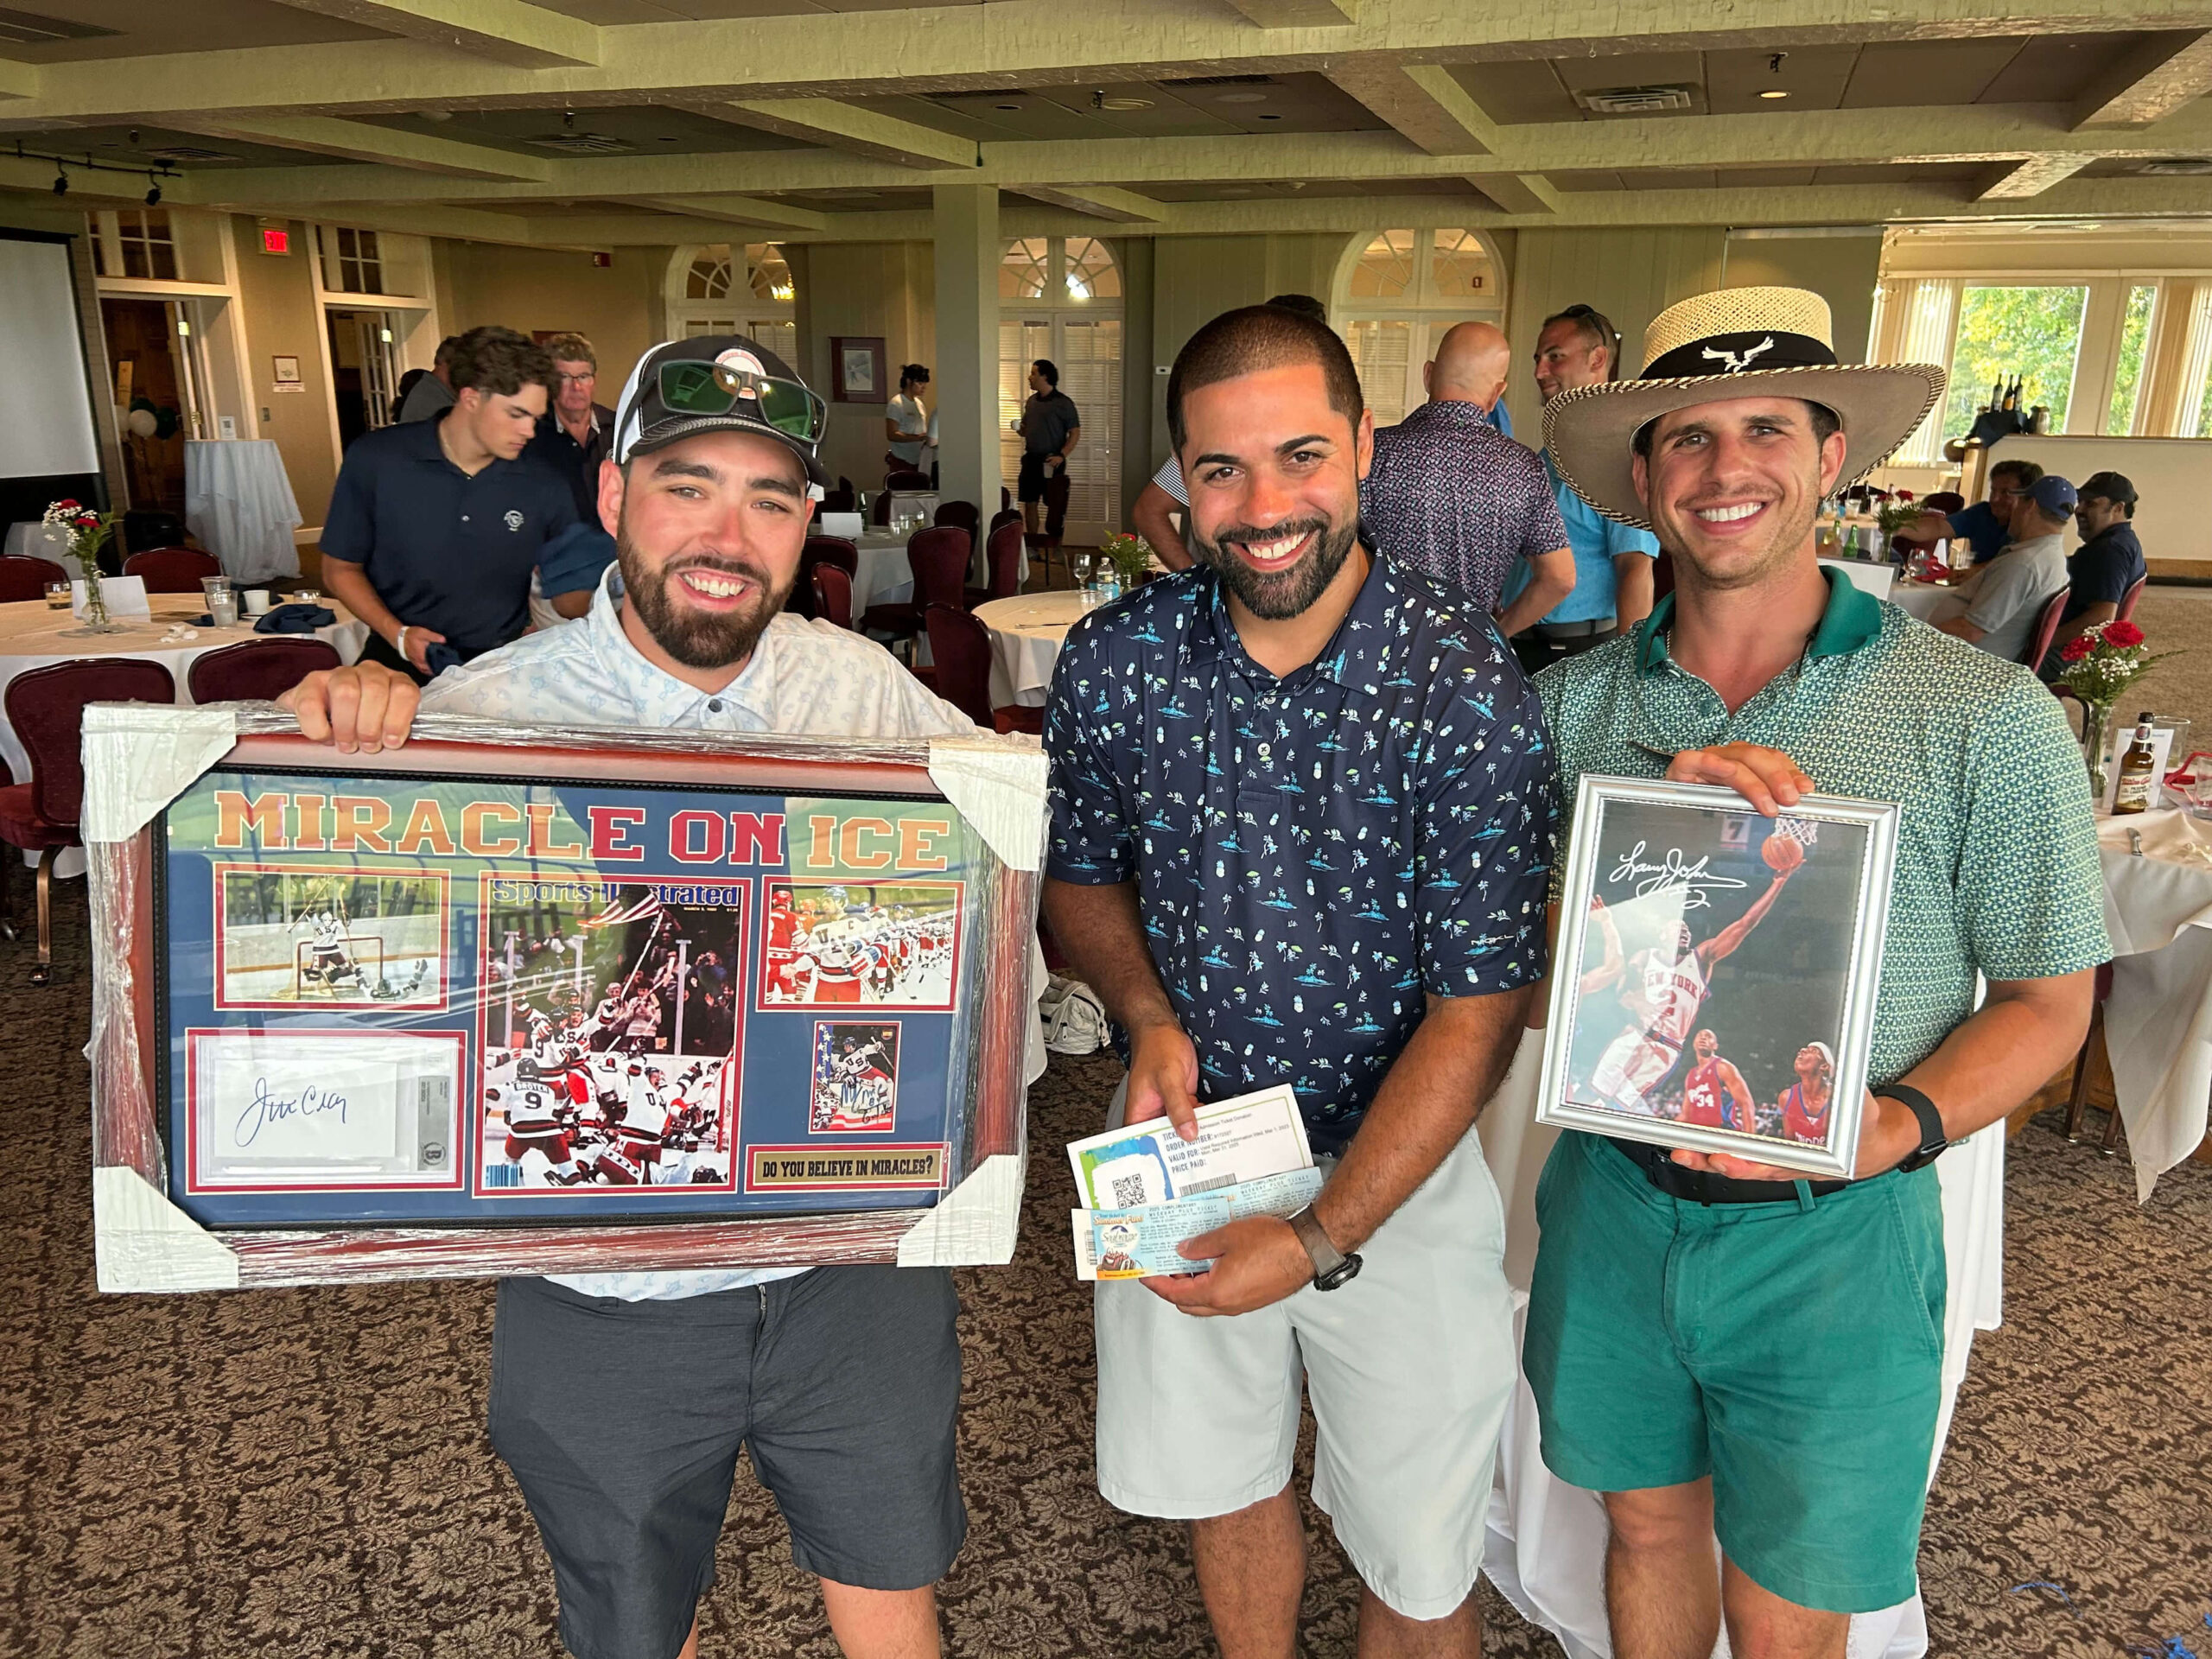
(1410, 1366)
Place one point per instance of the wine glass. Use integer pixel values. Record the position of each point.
(1080, 563)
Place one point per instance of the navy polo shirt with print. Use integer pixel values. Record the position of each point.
(442, 550)
(1314, 855)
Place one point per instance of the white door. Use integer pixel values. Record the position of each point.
(378, 380)
(1088, 353)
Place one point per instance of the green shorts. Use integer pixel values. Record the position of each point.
(1794, 1352)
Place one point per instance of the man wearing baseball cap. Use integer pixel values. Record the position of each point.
(2005, 597)
(2106, 568)
(842, 1382)
(1721, 1347)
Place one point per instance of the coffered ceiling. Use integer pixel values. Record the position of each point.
(601, 123)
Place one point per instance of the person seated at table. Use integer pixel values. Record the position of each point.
(906, 422)
(2108, 562)
(436, 527)
(2005, 598)
(1986, 526)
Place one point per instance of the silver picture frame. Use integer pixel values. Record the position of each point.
(1685, 955)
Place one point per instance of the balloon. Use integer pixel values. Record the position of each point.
(143, 423)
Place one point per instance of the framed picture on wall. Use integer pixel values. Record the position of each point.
(856, 369)
(285, 370)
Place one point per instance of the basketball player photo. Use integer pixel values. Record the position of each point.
(1714, 973)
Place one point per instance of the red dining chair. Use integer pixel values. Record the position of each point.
(24, 577)
(905, 481)
(962, 515)
(172, 569)
(45, 707)
(2077, 1100)
(1942, 501)
(1004, 554)
(2046, 629)
(832, 550)
(2126, 612)
(960, 646)
(1005, 516)
(938, 558)
(832, 594)
(260, 671)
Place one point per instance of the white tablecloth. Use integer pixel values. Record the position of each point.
(1927, 601)
(32, 636)
(1546, 1549)
(1026, 633)
(884, 576)
(43, 541)
(2158, 1021)
(238, 502)
(1875, 576)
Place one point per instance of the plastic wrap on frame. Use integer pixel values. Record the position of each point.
(138, 758)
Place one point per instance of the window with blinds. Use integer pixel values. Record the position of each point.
(1383, 353)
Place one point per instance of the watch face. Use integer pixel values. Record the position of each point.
(1343, 1274)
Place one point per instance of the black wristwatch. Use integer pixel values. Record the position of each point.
(1331, 1267)
(1932, 1138)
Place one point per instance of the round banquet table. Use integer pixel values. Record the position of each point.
(31, 636)
(2158, 1019)
(883, 577)
(239, 503)
(1545, 1546)
(1929, 601)
(1026, 632)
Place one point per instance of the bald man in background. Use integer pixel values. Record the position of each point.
(1452, 498)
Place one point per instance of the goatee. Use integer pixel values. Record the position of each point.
(699, 639)
(1278, 596)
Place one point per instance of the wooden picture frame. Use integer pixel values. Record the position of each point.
(857, 369)
(284, 369)
(865, 1106)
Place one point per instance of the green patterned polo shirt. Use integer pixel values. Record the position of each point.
(1997, 856)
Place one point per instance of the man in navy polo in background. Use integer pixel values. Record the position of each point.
(1987, 526)
(436, 527)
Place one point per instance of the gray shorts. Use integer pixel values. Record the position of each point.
(622, 1422)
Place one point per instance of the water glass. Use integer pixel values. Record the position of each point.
(57, 596)
(212, 585)
(1081, 565)
(223, 607)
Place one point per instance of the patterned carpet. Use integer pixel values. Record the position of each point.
(303, 1472)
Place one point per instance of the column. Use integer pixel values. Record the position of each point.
(966, 374)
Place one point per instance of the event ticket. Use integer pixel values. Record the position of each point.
(1142, 1242)
(1148, 1163)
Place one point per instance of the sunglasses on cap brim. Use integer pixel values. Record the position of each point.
(690, 387)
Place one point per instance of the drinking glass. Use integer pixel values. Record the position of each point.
(57, 595)
(1080, 564)
(223, 607)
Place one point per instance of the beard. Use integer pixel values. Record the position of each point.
(698, 638)
(1278, 596)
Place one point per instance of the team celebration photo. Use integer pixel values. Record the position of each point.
(832, 943)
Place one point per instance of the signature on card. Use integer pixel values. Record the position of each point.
(272, 1106)
(1674, 870)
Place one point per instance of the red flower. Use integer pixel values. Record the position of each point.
(2076, 649)
(2123, 635)
(66, 501)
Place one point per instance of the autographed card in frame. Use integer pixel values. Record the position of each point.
(1714, 976)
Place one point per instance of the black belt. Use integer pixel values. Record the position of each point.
(1699, 1187)
(1576, 630)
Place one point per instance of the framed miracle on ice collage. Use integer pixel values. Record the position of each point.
(554, 1001)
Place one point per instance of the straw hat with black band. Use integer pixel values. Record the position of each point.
(1734, 342)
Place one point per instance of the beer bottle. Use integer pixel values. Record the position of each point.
(2138, 771)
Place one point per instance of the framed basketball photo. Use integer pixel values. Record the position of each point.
(1714, 976)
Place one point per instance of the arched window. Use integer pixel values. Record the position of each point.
(1399, 293)
(1060, 298)
(712, 294)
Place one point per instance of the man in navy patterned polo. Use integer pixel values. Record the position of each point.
(1301, 834)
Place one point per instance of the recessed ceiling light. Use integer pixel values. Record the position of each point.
(1269, 115)
(1774, 91)
(1240, 98)
(1125, 103)
(1006, 107)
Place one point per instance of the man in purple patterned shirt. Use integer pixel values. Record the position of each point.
(1452, 498)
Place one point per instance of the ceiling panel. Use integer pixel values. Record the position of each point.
(1906, 172)
(1904, 75)
(1636, 69)
(1512, 93)
(137, 145)
(143, 28)
(1761, 178)
(2059, 68)
(1814, 77)
(1584, 179)
(647, 129)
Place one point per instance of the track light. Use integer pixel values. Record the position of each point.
(154, 195)
(61, 181)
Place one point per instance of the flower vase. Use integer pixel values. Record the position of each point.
(2097, 748)
(96, 620)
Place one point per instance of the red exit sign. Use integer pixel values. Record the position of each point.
(275, 241)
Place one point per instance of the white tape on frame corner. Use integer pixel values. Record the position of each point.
(141, 756)
(973, 1226)
(998, 784)
(141, 1242)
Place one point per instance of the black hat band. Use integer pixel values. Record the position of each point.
(1741, 353)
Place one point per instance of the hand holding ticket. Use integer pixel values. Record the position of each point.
(1144, 1189)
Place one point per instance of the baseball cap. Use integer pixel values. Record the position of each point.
(2116, 487)
(718, 382)
(2053, 494)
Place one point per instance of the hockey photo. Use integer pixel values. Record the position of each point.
(1713, 980)
(610, 1019)
(855, 1087)
(833, 944)
(329, 937)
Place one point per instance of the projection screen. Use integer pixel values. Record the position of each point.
(46, 418)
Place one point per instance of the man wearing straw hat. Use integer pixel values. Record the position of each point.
(1716, 1345)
